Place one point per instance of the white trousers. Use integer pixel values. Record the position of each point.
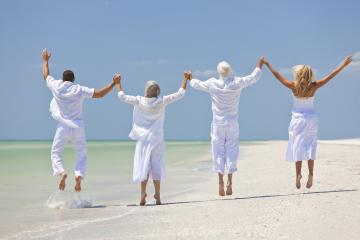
(225, 147)
(76, 136)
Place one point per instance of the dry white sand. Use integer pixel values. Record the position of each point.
(265, 203)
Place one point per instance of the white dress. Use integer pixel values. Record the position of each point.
(148, 131)
(302, 131)
(225, 94)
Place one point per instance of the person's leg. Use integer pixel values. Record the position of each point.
(81, 152)
(57, 150)
(298, 174)
(231, 153)
(157, 191)
(221, 184)
(229, 185)
(143, 193)
(218, 154)
(157, 167)
(311, 173)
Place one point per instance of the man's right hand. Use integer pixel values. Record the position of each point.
(45, 55)
(265, 61)
(261, 62)
(117, 78)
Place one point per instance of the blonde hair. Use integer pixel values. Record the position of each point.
(304, 81)
(224, 69)
(152, 89)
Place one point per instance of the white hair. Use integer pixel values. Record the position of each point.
(224, 69)
(152, 89)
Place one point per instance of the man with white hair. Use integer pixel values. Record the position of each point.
(225, 93)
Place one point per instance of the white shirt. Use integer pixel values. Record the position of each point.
(67, 103)
(225, 94)
(149, 114)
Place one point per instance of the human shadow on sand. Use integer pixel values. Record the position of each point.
(251, 197)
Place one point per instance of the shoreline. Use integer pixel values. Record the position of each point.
(265, 203)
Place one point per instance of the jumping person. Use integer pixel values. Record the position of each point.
(304, 123)
(225, 94)
(66, 108)
(147, 130)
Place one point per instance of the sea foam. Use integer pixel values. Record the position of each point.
(63, 200)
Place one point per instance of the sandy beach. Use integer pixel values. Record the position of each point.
(265, 203)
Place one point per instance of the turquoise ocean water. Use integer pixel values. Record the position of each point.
(27, 181)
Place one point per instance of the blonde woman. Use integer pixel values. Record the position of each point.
(304, 123)
(147, 130)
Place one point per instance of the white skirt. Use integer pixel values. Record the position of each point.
(149, 161)
(302, 137)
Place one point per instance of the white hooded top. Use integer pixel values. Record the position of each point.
(67, 103)
(149, 114)
(225, 94)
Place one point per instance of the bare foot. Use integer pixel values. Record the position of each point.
(298, 183)
(309, 181)
(221, 189)
(143, 201)
(63, 177)
(157, 198)
(229, 189)
(78, 184)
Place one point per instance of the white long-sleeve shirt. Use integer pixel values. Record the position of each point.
(225, 94)
(149, 114)
(67, 103)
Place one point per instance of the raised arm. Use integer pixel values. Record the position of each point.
(198, 84)
(180, 93)
(253, 77)
(45, 62)
(99, 93)
(283, 80)
(123, 97)
(327, 78)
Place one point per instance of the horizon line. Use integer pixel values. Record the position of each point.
(170, 140)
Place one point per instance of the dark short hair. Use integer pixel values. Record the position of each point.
(68, 75)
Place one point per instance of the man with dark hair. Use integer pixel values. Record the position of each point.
(66, 107)
(68, 75)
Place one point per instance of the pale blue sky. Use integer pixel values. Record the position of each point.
(159, 40)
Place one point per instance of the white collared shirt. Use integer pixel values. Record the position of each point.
(67, 103)
(225, 94)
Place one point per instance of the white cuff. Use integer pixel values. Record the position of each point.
(181, 90)
(121, 93)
